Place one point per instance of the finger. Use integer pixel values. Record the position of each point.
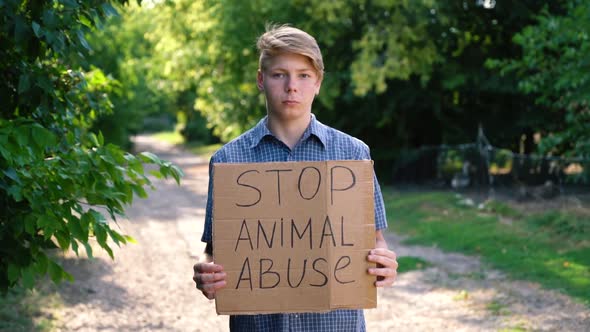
(204, 278)
(383, 252)
(207, 268)
(383, 272)
(385, 261)
(211, 287)
(387, 282)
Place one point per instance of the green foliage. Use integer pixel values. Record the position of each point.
(399, 74)
(409, 263)
(28, 310)
(55, 173)
(550, 248)
(555, 68)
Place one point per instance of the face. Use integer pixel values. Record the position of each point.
(290, 83)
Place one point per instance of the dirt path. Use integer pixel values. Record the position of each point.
(149, 288)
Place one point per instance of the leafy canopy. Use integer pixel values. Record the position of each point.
(58, 179)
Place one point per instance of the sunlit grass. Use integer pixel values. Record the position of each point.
(198, 148)
(172, 137)
(410, 263)
(28, 310)
(551, 248)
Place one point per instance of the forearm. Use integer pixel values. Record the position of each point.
(380, 241)
(209, 252)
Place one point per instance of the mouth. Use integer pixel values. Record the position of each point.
(290, 102)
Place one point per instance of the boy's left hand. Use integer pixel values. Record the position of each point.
(386, 270)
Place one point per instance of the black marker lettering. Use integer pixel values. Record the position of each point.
(318, 182)
(289, 273)
(320, 272)
(249, 186)
(327, 225)
(338, 267)
(332, 189)
(342, 243)
(300, 235)
(279, 180)
(261, 230)
(268, 271)
(244, 226)
(244, 266)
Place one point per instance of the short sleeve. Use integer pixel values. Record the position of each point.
(208, 226)
(380, 215)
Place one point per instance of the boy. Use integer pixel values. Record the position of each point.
(290, 76)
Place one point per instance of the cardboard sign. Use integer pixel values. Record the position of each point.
(294, 236)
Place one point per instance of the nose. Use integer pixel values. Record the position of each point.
(290, 85)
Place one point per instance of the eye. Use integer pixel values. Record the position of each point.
(277, 75)
(304, 75)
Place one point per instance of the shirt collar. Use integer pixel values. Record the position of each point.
(260, 131)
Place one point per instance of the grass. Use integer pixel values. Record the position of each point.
(172, 137)
(551, 248)
(410, 263)
(26, 310)
(497, 308)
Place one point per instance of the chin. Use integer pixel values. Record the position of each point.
(292, 114)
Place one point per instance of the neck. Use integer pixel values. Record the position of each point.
(288, 131)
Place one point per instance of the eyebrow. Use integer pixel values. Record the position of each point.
(297, 70)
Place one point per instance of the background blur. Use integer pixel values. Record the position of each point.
(477, 114)
(400, 75)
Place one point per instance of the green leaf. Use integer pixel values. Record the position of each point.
(43, 137)
(130, 239)
(138, 189)
(31, 224)
(55, 271)
(24, 83)
(177, 173)
(109, 10)
(11, 173)
(88, 249)
(16, 193)
(156, 173)
(150, 157)
(83, 40)
(85, 21)
(100, 233)
(28, 278)
(14, 272)
(109, 251)
(93, 139)
(76, 229)
(75, 247)
(42, 263)
(37, 29)
(63, 238)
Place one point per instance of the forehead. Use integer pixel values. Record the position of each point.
(289, 61)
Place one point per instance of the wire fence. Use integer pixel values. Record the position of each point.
(480, 165)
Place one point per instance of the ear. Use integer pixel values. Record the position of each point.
(318, 85)
(260, 80)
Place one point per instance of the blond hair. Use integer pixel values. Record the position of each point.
(286, 39)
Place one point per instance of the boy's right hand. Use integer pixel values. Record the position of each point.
(209, 277)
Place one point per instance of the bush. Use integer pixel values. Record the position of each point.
(55, 172)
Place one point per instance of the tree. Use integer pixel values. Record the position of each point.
(399, 74)
(555, 69)
(54, 171)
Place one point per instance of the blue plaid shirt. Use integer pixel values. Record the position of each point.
(318, 143)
